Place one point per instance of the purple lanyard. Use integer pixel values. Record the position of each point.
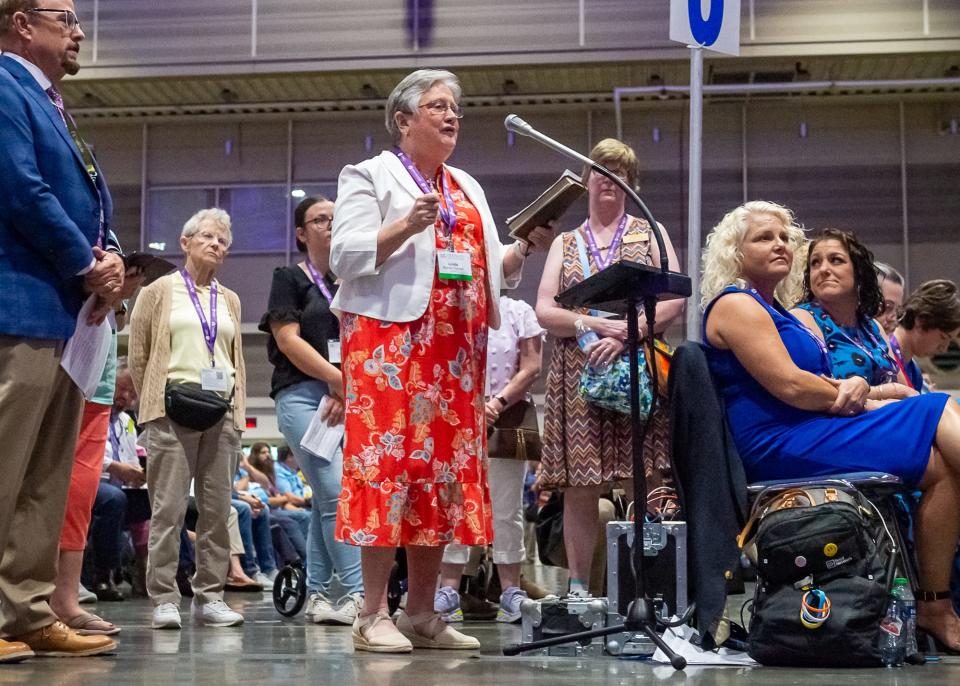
(821, 346)
(862, 348)
(209, 330)
(448, 212)
(317, 279)
(115, 438)
(614, 244)
(898, 358)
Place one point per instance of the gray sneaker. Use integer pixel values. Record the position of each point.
(320, 609)
(446, 603)
(215, 613)
(510, 601)
(166, 616)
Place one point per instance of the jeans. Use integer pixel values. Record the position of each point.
(106, 527)
(296, 406)
(257, 542)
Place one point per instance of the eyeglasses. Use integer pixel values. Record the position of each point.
(890, 306)
(67, 18)
(440, 107)
(321, 220)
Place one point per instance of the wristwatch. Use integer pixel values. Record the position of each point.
(500, 398)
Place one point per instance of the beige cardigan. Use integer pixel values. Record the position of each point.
(149, 349)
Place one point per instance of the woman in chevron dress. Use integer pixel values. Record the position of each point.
(586, 448)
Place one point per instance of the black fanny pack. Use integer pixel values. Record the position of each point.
(189, 405)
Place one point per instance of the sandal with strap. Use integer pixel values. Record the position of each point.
(933, 597)
(366, 637)
(81, 624)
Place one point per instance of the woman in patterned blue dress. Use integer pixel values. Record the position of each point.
(789, 418)
(841, 298)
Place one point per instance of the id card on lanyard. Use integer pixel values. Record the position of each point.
(333, 345)
(452, 265)
(212, 378)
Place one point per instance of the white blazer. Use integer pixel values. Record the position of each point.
(377, 192)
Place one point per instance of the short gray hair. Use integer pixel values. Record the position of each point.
(887, 273)
(406, 96)
(10, 7)
(212, 214)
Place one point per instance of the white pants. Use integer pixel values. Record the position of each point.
(506, 494)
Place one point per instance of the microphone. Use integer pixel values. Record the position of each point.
(517, 125)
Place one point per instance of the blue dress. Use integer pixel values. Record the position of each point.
(778, 441)
(854, 350)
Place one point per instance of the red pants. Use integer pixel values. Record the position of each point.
(85, 478)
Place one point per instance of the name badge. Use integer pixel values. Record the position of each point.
(214, 379)
(636, 237)
(333, 352)
(454, 266)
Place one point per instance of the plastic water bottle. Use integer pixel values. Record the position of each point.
(586, 337)
(909, 609)
(892, 630)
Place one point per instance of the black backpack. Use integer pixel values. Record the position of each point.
(825, 538)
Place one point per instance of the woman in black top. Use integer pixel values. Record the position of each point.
(304, 348)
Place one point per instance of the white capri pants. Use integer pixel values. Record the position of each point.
(506, 495)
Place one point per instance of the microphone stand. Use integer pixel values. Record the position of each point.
(641, 616)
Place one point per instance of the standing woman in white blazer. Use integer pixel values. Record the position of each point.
(421, 266)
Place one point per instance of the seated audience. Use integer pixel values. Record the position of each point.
(121, 503)
(841, 298)
(930, 320)
(790, 419)
(283, 506)
(291, 530)
(253, 519)
(237, 579)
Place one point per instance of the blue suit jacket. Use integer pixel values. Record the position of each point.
(49, 212)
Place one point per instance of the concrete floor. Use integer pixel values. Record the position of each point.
(270, 650)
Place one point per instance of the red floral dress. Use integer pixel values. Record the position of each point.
(413, 458)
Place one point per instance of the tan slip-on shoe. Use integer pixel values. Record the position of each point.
(14, 651)
(58, 640)
(371, 633)
(428, 630)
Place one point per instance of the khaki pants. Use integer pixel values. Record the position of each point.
(40, 410)
(175, 455)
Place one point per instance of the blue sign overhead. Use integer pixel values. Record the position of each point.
(705, 30)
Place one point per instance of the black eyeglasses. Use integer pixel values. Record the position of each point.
(321, 220)
(439, 108)
(67, 18)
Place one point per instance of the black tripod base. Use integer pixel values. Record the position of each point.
(641, 618)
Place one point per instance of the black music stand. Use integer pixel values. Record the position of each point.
(621, 288)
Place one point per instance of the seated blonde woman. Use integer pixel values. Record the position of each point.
(789, 419)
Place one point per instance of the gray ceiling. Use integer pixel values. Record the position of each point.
(529, 84)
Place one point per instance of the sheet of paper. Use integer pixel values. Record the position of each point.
(85, 354)
(678, 638)
(321, 438)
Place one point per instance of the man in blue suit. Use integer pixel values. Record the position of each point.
(54, 216)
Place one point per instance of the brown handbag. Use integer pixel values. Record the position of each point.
(516, 433)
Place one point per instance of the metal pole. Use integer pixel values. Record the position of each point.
(905, 217)
(694, 189)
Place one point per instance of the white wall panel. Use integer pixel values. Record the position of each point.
(314, 29)
(793, 21)
(171, 31)
(185, 152)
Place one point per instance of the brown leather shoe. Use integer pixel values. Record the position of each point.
(58, 640)
(14, 651)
